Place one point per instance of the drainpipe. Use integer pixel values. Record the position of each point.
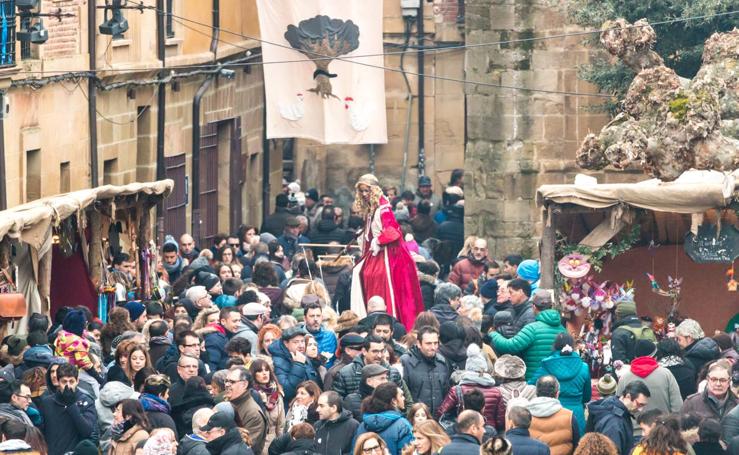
(92, 92)
(266, 196)
(3, 189)
(161, 117)
(421, 95)
(196, 126)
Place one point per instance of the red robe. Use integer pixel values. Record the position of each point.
(391, 273)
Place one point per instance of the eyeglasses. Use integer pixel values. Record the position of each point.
(231, 381)
(25, 397)
(718, 380)
(373, 449)
(193, 345)
(235, 245)
(188, 367)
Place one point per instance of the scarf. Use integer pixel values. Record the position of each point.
(670, 361)
(273, 394)
(163, 339)
(153, 403)
(173, 268)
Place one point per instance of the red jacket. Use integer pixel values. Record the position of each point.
(494, 411)
(464, 271)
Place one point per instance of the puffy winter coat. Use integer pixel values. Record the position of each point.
(111, 394)
(427, 379)
(392, 427)
(444, 313)
(428, 286)
(347, 380)
(702, 352)
(574, 382)
(216, 338)
(553, 425)
(730, 425)
(523, 315)
(190, 402)
(534, 342)
(466, 270)
(610, 417)
(290, 373)
(249, 331)
(327, 342)
(494, 410)
(664, 393)
(335, 436)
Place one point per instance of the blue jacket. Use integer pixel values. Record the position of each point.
(215, 345)
(610, 417)
(462, 444)
(290, 373)
(326, 340)
(290, 244)
(523, 444)
(65, 426)
(574, 382)
(392, 427)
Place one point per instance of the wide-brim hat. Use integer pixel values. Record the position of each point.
(346, 321)
(509, 367)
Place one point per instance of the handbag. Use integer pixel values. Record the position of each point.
(448, 420)
(12, 303)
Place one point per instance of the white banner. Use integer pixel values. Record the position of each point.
(327, 100)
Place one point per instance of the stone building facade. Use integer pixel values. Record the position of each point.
(518, 140)
(47, 130)
(335, 168)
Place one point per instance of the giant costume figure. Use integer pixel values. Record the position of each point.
(386, 268)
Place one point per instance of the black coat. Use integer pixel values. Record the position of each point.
(190, 446)
(348, 378)
(444, 313)
(230, 443)
(462, 444)
(190, 402)
(523, 314)
(365, 325)
(116, 373)
(326, 232)
(624, 341)
(65, 426)
(302, 447)
(275, 223)
(342, 295)
(335, 436)
(157, 349)
(524, 444)
(708, 448)
(685, 376)
(428, 286)
(451, 231)
(702, 352)
(427, 379)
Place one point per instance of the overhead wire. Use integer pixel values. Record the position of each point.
(349, 59)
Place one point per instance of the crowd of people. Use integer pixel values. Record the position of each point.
(254, 349)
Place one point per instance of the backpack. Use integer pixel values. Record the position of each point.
(641, 333)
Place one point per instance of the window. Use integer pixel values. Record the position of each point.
(110, 169)
(170, 19)
(65, 178)
(33, 175)
(7, 33)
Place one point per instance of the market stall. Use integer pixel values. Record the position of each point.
(56, 251)
(669, 245)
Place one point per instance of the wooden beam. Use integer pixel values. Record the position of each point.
(603, 233)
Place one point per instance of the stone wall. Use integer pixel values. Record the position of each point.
(518, 140)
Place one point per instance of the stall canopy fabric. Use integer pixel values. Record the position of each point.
(695, 193)
(30, 222)
(323, 74)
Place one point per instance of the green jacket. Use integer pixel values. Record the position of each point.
(534, 342)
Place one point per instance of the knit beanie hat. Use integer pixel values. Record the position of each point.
(509, 367)
(75, 322)
(644, 348)
(15, 344)
(208, 280)
(528, 270)
(626, 308)
(475, 360)
(85, 447)
(449, 331)
(170, 239)
(135, 309)
(607, 385)
(489, 289)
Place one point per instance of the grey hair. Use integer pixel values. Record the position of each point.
(445, 292)
(219, 377)
(471, 301)
(690, 328)
(200, 418)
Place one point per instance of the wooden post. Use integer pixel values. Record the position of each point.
(44, 280)
(95, 258)
(546, 252)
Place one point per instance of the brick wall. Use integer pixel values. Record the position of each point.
(64, 35)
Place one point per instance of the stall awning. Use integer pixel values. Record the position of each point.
(694, 192)
(30, 221)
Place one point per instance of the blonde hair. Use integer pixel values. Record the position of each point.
(467, 248)
(433, 432)
(201, 320)
(365, 208)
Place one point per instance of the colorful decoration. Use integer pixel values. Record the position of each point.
(731, 284)
(574, 265)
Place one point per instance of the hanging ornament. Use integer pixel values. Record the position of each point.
(731, 284)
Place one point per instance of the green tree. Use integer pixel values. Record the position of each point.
(680, 44)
